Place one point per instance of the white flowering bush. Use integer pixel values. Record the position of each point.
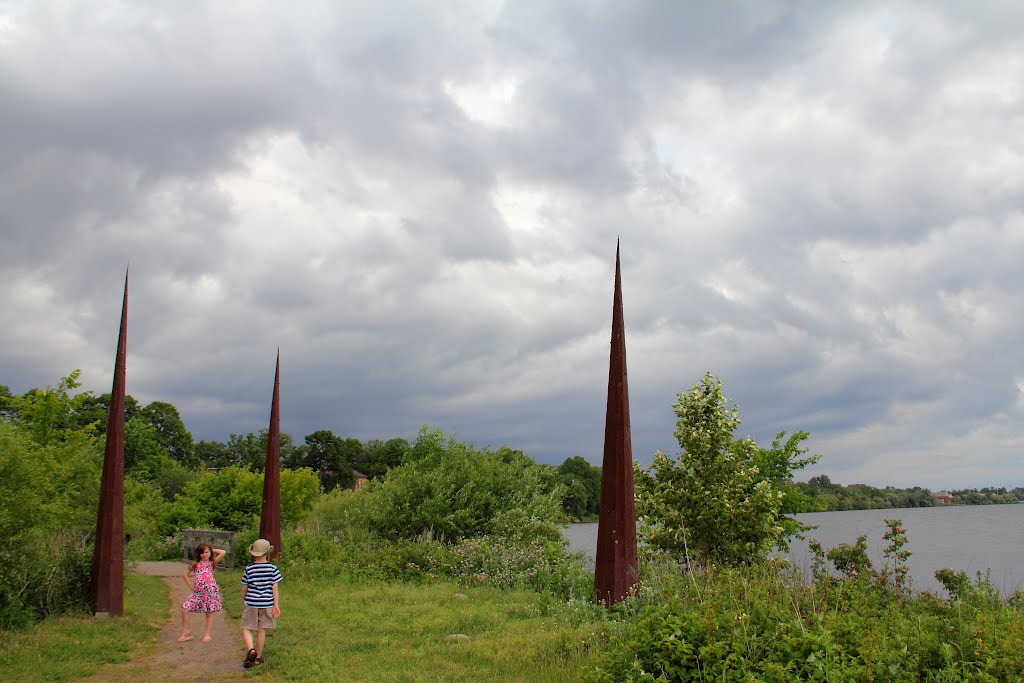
(720, 500)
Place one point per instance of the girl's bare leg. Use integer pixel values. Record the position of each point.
(184, 622)
(209, 625)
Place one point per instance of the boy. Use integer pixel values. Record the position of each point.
(259, 600)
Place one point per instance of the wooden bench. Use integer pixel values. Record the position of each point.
(191, 538)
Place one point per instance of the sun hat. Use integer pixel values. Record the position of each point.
(260, 547)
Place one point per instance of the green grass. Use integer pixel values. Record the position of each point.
(333, 630)
(65, 648)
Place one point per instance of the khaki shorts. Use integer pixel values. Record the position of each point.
(254, 618)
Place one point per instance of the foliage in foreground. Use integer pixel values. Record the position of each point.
(764, 622)
(48, 499)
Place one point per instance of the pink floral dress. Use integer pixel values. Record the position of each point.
(205, 595)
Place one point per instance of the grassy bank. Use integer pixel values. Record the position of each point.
(65, 648)
(331, 629)
(373, 631)
(754, 623)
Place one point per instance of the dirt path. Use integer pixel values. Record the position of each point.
(220, 659)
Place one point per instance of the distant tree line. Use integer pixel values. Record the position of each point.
(160, 450)
(988, 496)
(828, 496)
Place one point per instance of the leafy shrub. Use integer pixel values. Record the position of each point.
(244, 538)
(343, 515)
(233, 497)
(851, 560)
(48, 500)
(44, 573)
(507, 562)
(956, 583)
(143, 505)
(721, 500)
(452, 511)
(455, 491)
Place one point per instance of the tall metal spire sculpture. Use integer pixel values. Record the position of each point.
(616, 570)
(270, 514)
(106, 584)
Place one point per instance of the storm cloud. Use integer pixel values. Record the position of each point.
(419, 203)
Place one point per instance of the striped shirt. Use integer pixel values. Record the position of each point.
(259, 579)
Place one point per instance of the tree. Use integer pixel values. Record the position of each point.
(380, 456)
(245, 450)
(822, 482)
(94, 410)
(577, 500)
(250, 450)
(170, 431)
(140, 444)
(46, 414)
(349, 451)
(212, 454)
(721, 500)
(776, 464)
(582, 483)
(327, 455)
(7, 412)
(146, 460)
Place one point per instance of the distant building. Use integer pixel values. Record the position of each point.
(856, 486)
(360, 480)
(944, 497)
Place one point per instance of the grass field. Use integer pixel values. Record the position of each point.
(334, 629)
(399, 632)
(66, 648)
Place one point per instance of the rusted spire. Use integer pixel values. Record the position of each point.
(270, 515)
(106, 586)
(616, 570)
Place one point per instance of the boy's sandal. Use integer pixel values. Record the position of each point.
(250, 659)
(184, 639)
(259, 660)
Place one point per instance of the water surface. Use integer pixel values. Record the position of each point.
(965, 537)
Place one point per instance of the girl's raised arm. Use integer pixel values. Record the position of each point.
(218, 555)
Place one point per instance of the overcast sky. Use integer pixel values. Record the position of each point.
(820, 202)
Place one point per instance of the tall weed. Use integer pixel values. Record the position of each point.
(46, 573)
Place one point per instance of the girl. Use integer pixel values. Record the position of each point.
(205, 593)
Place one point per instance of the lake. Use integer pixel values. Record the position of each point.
(965, 537)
